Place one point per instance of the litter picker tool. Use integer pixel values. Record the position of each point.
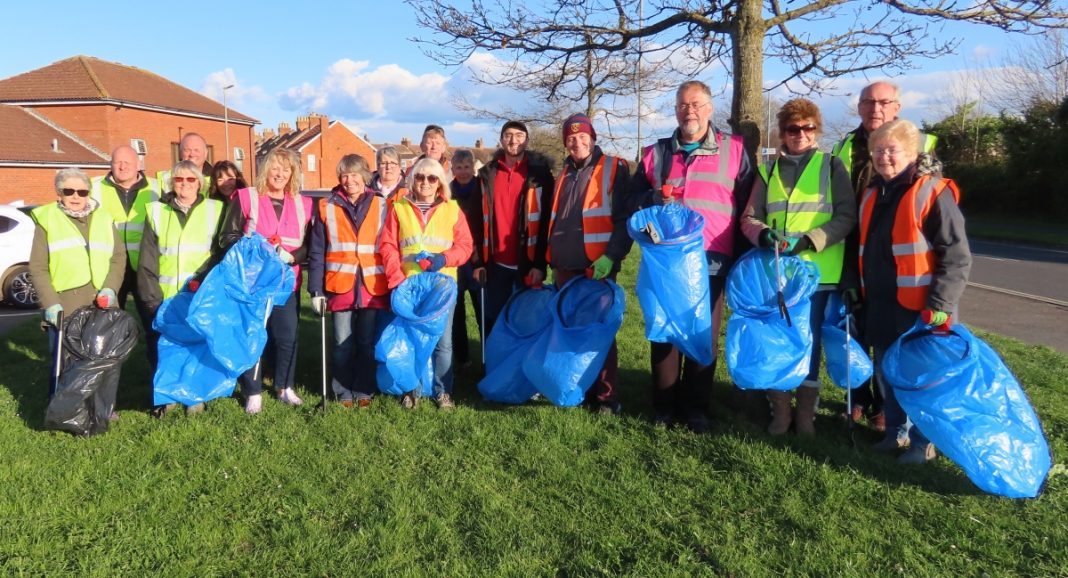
(783, 311)
(849, 377)
(57, 362)
(322, 343)
(483, 331)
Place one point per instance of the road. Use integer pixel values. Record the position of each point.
(1019, 291)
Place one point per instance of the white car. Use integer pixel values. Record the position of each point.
(16, 237)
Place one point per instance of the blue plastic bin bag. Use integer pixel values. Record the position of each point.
(565, 360)
(405, 350)
(231, 305)
(959, 392)
(673, 279)
(209, 338)
(763, 352)
(524, 319)
(835, 350)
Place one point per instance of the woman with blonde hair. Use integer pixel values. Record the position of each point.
(427, 222)
(275, 209)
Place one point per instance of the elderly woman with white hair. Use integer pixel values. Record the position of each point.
(77, 256)
(427, 219)
(275, 209)
(178, 247)
(914, 261)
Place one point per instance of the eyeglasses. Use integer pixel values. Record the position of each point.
(795, 129)
(871, 102)
(220, 178)
(688, 106)
(69, 192)
(185, 179)
(881, 152)
(432, 179)
(387, 165)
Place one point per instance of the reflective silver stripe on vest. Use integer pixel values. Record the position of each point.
(605, 210)
(191, 247)
(98, 247)
(421, 239)
(921, 246)
(906, 281)
(342, 267)
(253, 210)
(168, 280)
(67, 244)
(131, 226)
(375, 270)
(707, 205)
(924, 195)
(821, 205)
(132, 246)
(365, 248)
(596, 237)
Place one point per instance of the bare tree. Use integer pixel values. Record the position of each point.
(689, 35)
(1033, 72)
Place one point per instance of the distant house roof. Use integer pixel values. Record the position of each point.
(26, 139)
(298, 140)
(90, 80)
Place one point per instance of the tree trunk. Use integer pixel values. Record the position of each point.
(747, 56)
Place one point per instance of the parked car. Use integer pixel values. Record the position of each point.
(16, 237)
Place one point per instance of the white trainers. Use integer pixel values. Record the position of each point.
(254, 404)
(289, 397)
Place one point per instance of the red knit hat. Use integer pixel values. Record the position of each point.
(577, 123)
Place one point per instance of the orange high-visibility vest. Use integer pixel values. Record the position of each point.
(349, 251)
(596, 206)
(913, 257)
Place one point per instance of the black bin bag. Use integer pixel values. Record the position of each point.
(95, 344)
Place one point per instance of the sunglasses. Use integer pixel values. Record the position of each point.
(69, 192)
(795, 129)
(432, 179)
(185, 179)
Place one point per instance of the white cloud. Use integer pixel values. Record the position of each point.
(352, 89)
(238, 95)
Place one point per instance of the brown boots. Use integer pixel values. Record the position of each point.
(782, 415)
(781, 412)
(805, 419)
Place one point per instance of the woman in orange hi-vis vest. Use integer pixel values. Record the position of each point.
(346, 277)
(426, 231)
(914, 261)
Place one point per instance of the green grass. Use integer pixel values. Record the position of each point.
(490, 490)
(1037, 231)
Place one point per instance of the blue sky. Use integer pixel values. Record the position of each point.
(361, 68)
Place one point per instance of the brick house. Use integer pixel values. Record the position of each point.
(321, 143)
(101, 105)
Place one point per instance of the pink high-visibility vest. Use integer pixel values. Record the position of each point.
(288, 231)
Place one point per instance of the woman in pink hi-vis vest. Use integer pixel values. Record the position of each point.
(275, 209)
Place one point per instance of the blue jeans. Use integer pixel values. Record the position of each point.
(897, 422)
(465, 283)
(353, 357)
(815, 321)
(442, 359)
(282, 329)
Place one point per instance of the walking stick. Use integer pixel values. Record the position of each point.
(322, 342)
(57, 362)
(482, 326)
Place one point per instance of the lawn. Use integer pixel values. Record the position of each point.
(488, 490)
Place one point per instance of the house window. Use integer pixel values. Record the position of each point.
(311, 163)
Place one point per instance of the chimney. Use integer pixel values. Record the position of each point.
(478, 144)
(302, 123)
(406, 142)
(284, 128)
(268, 133)
(324, 121)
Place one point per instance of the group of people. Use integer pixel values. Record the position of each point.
(874, 215)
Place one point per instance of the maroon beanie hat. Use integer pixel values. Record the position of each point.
(577, 123)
